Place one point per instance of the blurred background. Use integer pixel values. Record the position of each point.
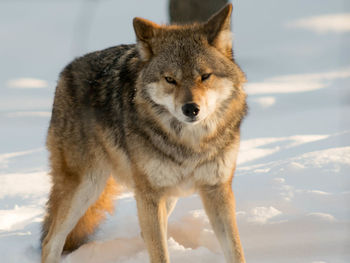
(292, 183)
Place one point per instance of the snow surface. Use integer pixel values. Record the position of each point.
(325, 23)
(292, 183)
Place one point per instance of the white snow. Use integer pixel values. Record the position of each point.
(323, 216)
(296, 83)
(292, 183)
(26, 185)
(24, 83)
(338, 23)
(262, 214)
(265, 102)
(18, 217)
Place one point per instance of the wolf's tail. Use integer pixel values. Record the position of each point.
(92, 217)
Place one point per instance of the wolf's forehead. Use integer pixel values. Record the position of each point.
(182, 72)
(180, 44)
(185, 68)
(186, 59)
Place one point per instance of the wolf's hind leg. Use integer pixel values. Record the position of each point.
(219, 204)
(92, 217)
(67, 204)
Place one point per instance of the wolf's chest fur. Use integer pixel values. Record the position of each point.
(164, 172)
(179, 174)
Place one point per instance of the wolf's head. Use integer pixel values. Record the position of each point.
(189, 70)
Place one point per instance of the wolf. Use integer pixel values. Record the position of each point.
(161, 117)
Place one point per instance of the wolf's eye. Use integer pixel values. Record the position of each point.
(170, 80)
(206, 76)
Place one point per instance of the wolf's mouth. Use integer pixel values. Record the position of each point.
(192, 120)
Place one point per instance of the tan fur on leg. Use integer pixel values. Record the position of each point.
(152, 217)
(152, 213)
(219, 205)
(93, 217)
(67, 207)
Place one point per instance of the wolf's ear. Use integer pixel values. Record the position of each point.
(145, 31)
(218, 30)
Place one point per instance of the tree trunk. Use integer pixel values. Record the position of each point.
(189, 11)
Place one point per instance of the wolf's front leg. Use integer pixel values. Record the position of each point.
(152, 213)
(219, 204)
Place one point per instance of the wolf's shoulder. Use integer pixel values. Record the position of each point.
(101, 61)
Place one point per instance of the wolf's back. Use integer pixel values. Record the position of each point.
(95, 88)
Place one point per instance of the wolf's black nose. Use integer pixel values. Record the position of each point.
(190, 109)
